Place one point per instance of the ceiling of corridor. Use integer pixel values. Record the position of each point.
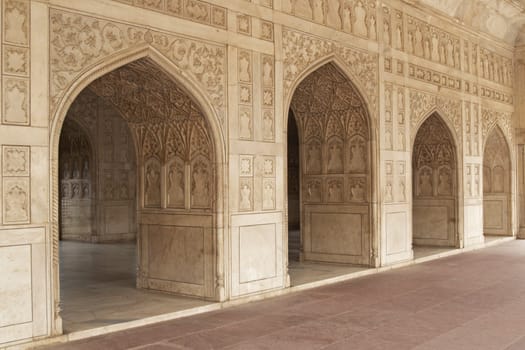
(503, 19)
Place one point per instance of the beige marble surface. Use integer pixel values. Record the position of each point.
(206, 89)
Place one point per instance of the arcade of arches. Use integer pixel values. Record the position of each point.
(162, 157)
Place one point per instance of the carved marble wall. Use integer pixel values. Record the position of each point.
(333, 125)
(200, 194)
(496, 185)
(434, 185)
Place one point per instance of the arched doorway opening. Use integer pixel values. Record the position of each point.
(497, 210)
(154, 183)
(434, 172)
(330, 151)
(294, 186)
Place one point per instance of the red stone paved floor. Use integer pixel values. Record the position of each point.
(473, 300)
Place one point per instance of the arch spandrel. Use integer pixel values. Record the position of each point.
(423, 105)
(80, 42)
(305, 53)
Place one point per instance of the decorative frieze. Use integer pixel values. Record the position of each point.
(432, 43)
(495, 67)
(433, 77)
(358, 17)
(194, 10)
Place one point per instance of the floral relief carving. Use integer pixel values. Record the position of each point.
(16, 101)
(16, 60)
(78, 42)
(490, 118)
(301, 50)
(421, 104)
(15, 161)
(16, 200)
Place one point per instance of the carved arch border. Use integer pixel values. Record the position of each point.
(339, 64)
(187, 84)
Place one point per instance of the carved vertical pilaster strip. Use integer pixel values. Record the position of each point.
(16, 62)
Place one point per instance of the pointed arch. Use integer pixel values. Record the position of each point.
(203, 101)
(498, 189)
(343, 163)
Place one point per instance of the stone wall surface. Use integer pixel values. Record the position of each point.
(399, 109)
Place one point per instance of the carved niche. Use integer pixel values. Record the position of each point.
(173, 136)
(434, 164)
(333, 123)
(434, 179)
(496, 164)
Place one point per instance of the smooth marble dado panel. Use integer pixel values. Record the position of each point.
(258, 252)
(15, 288)
(434, 222)
(430, 222)
(473, 216)
(396, 233)
(495, 211)
(177, 254)
(336, 233)
(23, 285)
